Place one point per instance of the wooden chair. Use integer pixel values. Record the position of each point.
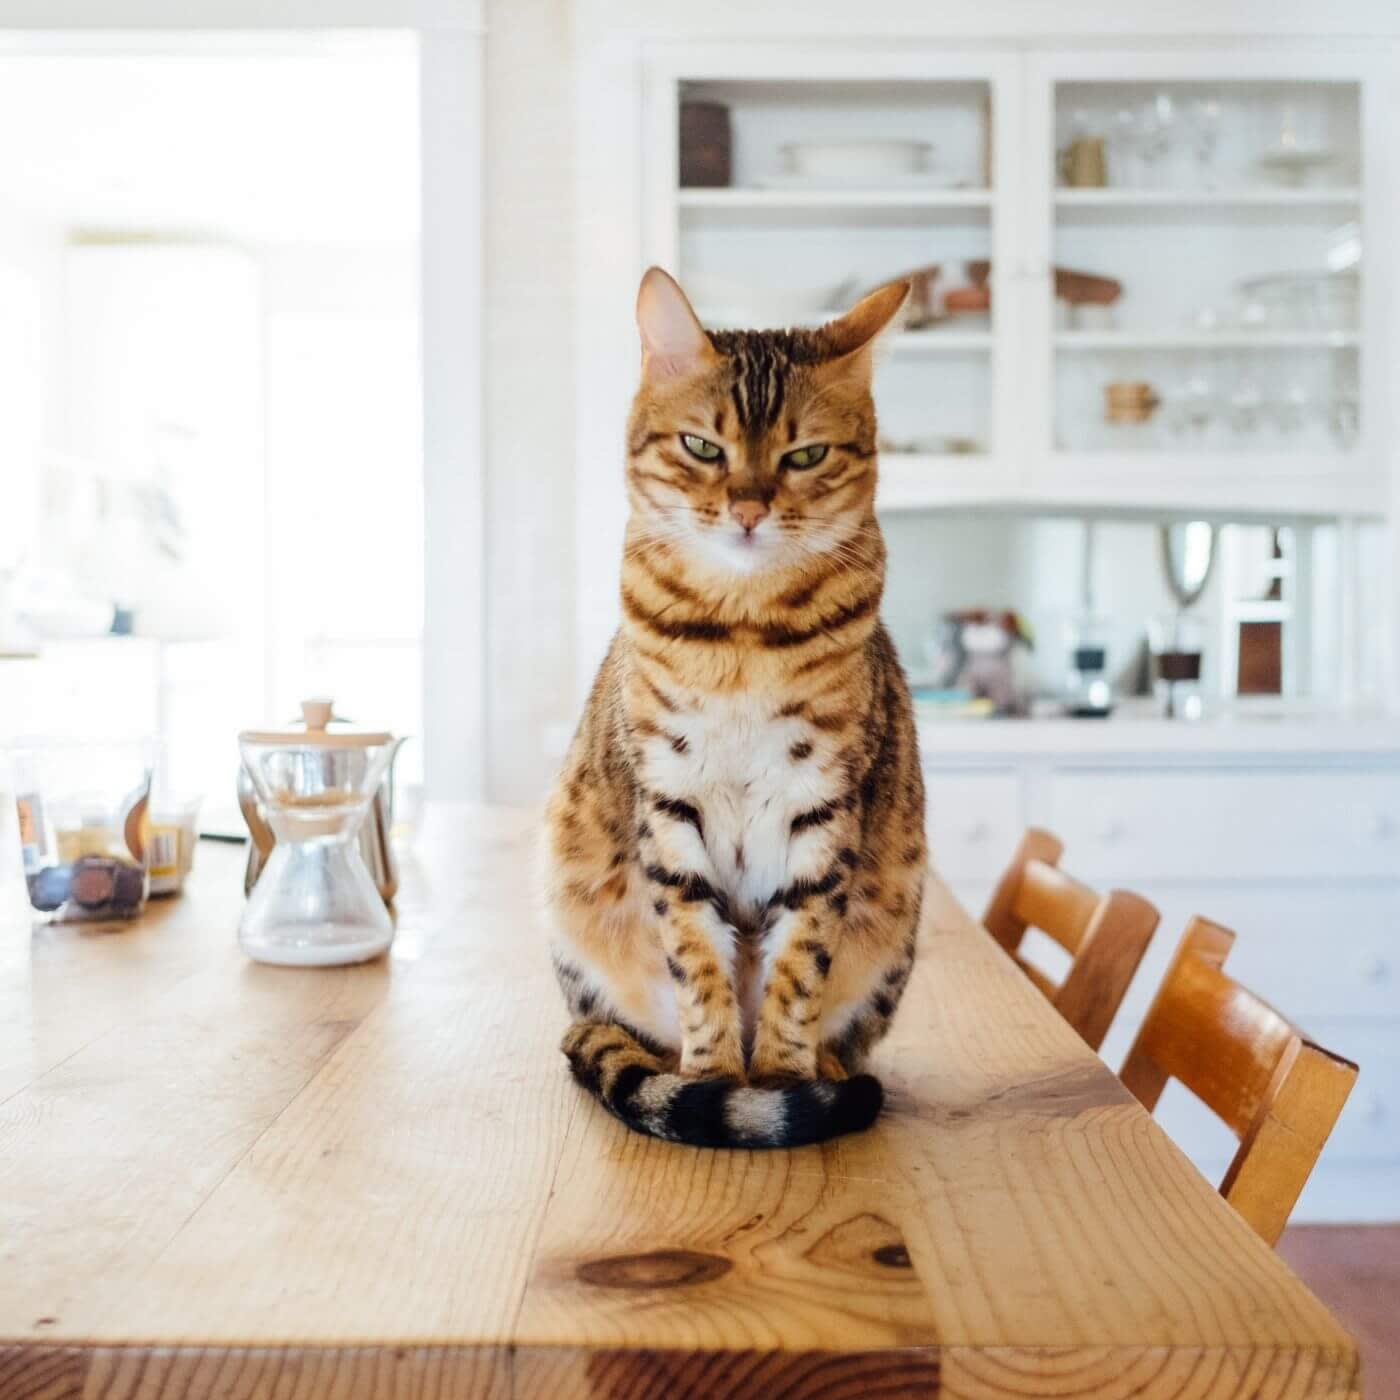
(1106, 935)
(1278, 1093)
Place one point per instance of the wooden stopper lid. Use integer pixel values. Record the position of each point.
(318, 715)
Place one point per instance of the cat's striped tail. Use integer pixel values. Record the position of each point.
(635, 1085)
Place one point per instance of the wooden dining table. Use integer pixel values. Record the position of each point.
(221, 1179)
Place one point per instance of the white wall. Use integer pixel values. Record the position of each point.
(937, 564)
(529, 390)
(343, 440)
(31, 347)
(1033, 564)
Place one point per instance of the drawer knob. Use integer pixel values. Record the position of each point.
(1377, 970)
(1374, 1111)
(1110, 830)
(976, 831)
(1382, 825)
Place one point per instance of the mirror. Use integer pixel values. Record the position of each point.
(1188, 553)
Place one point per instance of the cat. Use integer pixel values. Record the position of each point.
(735, 849)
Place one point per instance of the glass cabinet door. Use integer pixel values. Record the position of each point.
(781, 194)
(1205, 295)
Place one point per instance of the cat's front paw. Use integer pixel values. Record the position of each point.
(713, 1060)
(782, 1065)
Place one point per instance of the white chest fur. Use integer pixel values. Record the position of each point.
(736, 766)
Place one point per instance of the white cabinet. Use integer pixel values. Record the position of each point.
(1239, 184)
(1266, 413)
(1296, 848)
(973, 821)
(778, 247)
(1240, 187)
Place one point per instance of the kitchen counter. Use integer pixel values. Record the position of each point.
(1135, 733)
(220, 1178)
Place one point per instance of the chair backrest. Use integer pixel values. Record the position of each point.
(1105, 935)
(1277, 1092)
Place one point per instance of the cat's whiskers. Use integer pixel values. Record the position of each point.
(651, 535)
(848, 553)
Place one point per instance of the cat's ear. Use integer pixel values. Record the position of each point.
(673, 341)
(853, 337)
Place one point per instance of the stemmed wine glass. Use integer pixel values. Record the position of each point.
(1155, 123)
(1204, 122)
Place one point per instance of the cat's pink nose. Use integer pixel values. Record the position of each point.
(748, 513)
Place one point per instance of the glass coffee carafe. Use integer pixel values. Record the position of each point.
(1177, 643)
(315, 903)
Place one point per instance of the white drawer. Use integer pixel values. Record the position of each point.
(1327, 958)
(1314, 952)
(1215, 824)
(974, 821)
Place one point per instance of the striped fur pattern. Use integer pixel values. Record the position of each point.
(735, 846)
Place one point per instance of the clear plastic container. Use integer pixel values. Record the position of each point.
(84, 827)
(315, 903)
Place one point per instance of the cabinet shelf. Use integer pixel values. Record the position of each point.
(756, 207)
(933, 481)
(1265, 197)
(1242, 486)
(753, 198)
(1207, 340)
(1168, 209)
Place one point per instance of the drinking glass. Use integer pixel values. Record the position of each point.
(1246, 403)
(1191, 405)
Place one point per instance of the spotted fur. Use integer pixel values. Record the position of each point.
(735, 848)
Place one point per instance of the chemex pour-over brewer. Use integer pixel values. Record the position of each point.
(315, 903)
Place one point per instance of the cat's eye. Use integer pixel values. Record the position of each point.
(698, 447)
(803, 457)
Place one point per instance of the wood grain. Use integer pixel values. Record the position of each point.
(62, 988)
(267, 1184)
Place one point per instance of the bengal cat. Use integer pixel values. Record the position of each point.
(735, 845)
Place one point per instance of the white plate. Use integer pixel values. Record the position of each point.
(931, 444)
(1292, 164)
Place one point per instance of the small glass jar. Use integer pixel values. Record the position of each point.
(174, 834)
